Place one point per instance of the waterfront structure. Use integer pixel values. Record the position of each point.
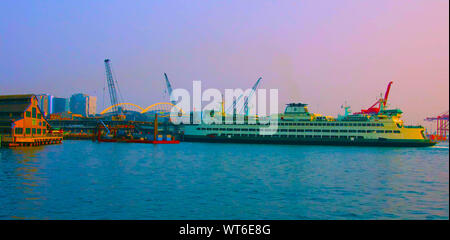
(60, 105)
(65, 116)
(83, 104)
(298, 126)
(22, 122)
(133, 133)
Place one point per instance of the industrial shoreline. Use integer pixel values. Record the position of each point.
(27, 120)
(297, 125)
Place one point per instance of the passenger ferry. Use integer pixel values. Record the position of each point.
(298, 126)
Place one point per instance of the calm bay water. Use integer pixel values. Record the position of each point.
(88, 180)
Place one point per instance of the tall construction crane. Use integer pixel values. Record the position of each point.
(245, 107)
(380, 102)
(117, 110)
(255, 86)
(169, 88)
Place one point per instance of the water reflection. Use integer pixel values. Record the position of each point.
(25, 174)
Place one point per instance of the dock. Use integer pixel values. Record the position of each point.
(14, 141)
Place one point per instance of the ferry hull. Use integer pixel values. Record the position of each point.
(312, 141)
(140, 141)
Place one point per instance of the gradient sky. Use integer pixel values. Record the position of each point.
(319, 52)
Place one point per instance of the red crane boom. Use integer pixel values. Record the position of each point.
(386, 95)
(373, 109)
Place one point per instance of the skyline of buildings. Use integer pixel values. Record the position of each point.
(83, 104)
(78, 103)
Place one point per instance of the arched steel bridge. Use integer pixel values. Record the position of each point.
(162, 108)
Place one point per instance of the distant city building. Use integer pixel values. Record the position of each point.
(83, 104)
(45, 103)
(60, 105)
(78, 104)
(92, 105)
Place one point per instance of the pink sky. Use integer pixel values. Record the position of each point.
(319, 52)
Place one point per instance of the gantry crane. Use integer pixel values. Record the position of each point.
(441, 126)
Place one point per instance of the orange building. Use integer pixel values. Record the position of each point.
(22, 122)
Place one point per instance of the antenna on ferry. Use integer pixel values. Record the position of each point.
(346, 109)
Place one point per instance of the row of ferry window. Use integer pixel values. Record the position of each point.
(328, 124)
(303, 130)
(341, 131)
(297, 136)
(334, 124)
